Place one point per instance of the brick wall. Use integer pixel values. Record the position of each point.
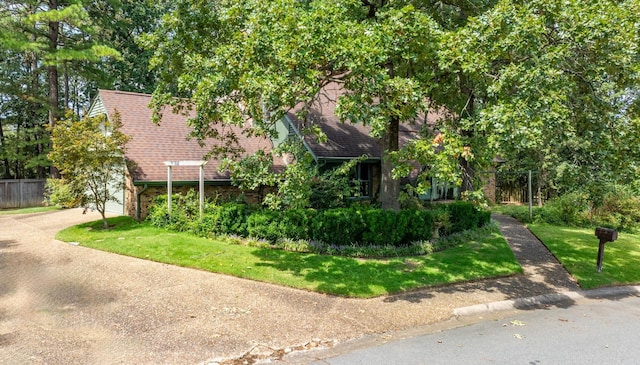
(222, 193)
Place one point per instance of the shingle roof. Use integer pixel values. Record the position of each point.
(346, 140)
(151, 145)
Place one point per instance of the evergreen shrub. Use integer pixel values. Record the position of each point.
(334, 230)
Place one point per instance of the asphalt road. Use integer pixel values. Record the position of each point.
(593, 331)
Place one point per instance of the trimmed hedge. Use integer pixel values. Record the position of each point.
(360, 225)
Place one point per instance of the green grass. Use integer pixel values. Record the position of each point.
(577, 250)
(486, 255)
(28, 210)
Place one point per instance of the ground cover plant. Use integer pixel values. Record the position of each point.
(577, 250)
(474, 255)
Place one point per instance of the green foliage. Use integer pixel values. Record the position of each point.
(545, 67)
(463, 216)
(60, 193)
(184, 210)
(293, 224)
(615, 206)
(384, 227)
(419, 223)
(620, 210)
(89, 154)
(265, 224)
(567, 209)
(232, 219)
(354, 230)
(340, 226)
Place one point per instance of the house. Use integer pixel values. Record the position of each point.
(152, 146)
(346, 141)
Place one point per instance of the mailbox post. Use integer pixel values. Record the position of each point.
(605, 235)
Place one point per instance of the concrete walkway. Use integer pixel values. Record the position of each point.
(64, 304)
(542, 271)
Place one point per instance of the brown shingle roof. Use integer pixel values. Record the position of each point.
(344, 139)
(151, 145)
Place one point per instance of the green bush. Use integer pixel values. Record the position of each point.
(182, 216)
(232, 219)
(340, 226)
(620, 210)
(568, 209)
(59, 193)
(357, 226)
(419, 224)
(297, 223)
(383, 227)
(463, 216)
(265, 224)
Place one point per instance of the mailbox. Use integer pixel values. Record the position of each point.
(604, 235)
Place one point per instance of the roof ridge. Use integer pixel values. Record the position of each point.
(132, 93)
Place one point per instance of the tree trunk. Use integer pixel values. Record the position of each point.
(66, 87)
(389, 187)
(52, 71)
(7, 166)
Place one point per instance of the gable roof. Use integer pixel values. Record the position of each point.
(346, 140)
(151, 145)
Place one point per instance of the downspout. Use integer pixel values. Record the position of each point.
(138, 209)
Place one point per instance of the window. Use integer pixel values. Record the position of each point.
(363, 180)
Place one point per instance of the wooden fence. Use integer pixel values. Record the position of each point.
(21, 193)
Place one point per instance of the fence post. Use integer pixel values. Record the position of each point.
(530, 197)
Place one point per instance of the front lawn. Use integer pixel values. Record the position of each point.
(483, 256)
(28, 210)
(577, 250)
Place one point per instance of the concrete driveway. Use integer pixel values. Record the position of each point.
(65, 304)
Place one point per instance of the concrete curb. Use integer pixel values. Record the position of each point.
(557, 299)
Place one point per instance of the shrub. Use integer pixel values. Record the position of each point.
(463, 216)
(181, 218)
(341, 226)
(232, 219)
(265, 224)
(356, 229)
(568, 209)
(296, 223)
(620, 210)
(383, 227)
(419, 224)
(59, 193)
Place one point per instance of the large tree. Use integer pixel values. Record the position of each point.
(49, 49)
(508, 75)
(240, 60)
(552, 83)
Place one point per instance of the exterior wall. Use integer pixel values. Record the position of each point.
(220, 192)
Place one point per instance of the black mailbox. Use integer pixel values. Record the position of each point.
(604, 235)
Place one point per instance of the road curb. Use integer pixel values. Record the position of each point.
(557, 299)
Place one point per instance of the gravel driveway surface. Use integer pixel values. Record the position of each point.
(65, 304)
